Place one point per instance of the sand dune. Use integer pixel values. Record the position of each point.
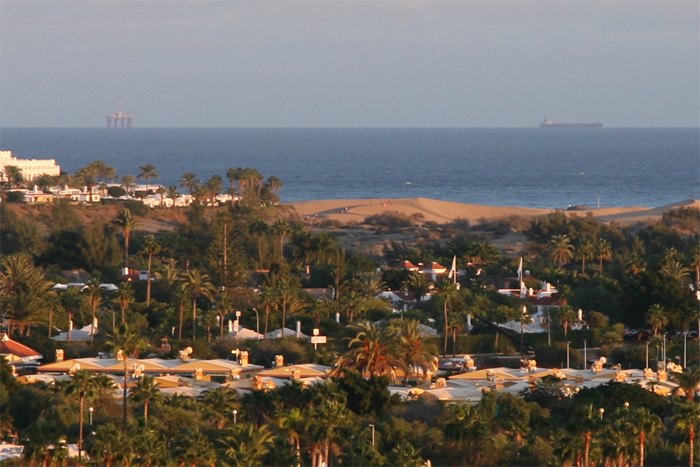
(356, 210)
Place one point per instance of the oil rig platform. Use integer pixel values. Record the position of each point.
(119, 119)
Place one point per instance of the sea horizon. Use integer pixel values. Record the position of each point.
(528, 167)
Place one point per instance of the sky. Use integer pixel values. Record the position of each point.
(353, 63)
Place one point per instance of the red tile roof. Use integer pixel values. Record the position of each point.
(15, 349)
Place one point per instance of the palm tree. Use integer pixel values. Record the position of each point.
(644, 424)
(150, 247)
(148, 172)
(676, 271)
(245, 444)
(371, 350)
(561, 249)
(128, 181)
(603, 251)
(449, 292)
(369, 284)
(657, 317)
(189, 181)
(128, 222)
(586, 250)
(83, 385)
(197, 284)
(130, 344)
(275, 184)
(125, 297)
(281, 229)
(687, 419)
(418, 284)
(688, 380)
(219, 403)
(566, 316)
(413, 349)
(259, 229)
(325, 419)
(146, 392)
(94, 300)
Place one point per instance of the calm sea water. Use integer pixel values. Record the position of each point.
(532, 167)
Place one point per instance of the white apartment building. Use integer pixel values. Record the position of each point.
(31, 168)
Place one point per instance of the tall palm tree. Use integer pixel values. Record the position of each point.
(83, 385)
(197, 284)
(687, 420)
(281, 229)
(128, 182)
(449, 294)
(148, 172)
(644, 424)
(586, 250)
(657, 317)
(94, 300)
(124, 298)
(150, 247)
(259, 229)
(676, 271)
(128, 223)
(413, 349)
(603, 252)
(561, 249)
(146, 392)
(566, 316)
(189, 181)
(130, 343)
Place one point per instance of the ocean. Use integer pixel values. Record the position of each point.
(529, 167)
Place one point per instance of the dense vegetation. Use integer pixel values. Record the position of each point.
(257, 257)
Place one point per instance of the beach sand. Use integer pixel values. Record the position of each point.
(356, 210)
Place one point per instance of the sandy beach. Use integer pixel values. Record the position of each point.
(432, 210)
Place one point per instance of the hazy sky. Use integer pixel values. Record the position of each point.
(349, 63)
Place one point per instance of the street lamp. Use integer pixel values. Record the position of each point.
(567, 354)
(257, 321)
(647, 361)
(602, 411)
(585, 355)
(371, 425)
(90, 409)
(235, 416)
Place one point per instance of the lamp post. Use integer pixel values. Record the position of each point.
(647, 361)
(371, 425)
(585, 355)
(90, 409)
(235, 416)
(567, 354)
(602, 411)
(685, 349)
(257, 322)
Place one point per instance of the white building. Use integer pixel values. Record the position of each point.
(31, 168)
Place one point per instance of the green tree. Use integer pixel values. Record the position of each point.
(128, 223)
(151, 247)
(371, 350)
(82, 385)
(657, 317)
(148, 172)
(561, 249)
(687, 420)
(197, 284)
(414, 350)
(688, 380)
(146, 392)
(603, 251)
(189, 181)
(129, 343)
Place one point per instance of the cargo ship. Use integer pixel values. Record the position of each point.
(546, 123)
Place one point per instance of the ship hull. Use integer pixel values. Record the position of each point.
(571, 125)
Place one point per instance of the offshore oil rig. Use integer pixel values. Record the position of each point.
(119, 119)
